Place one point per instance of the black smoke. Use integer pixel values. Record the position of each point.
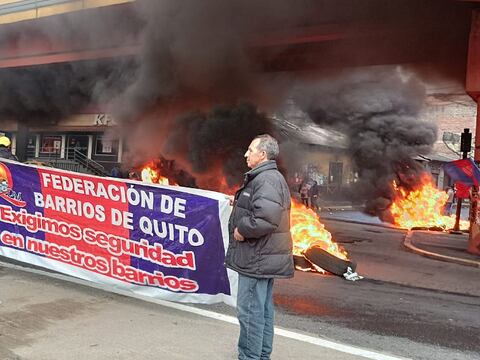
(213, 144)
(220, 51)
(195, 55)
(201, 50)
(201, 54)
(378, 110)
(43, 95)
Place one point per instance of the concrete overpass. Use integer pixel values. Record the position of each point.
(20, 10)
(27, 38)
(24, 40)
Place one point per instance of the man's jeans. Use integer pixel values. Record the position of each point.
(448, 208)
(255, 314)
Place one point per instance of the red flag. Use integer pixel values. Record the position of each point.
(463, 191)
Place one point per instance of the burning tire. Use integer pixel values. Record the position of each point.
(301, 263)
(429, 228)
(328, 262)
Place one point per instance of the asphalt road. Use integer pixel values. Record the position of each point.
(407, 305)
(413, 306)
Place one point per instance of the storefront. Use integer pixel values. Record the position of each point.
(81, 136)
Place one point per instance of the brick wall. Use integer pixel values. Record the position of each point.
(451, 113)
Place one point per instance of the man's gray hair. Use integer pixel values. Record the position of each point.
(268, 144)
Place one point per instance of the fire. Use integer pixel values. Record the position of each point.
(306, 228)
(153, 176)
(224, 187)
(307, 231)
(422, 207)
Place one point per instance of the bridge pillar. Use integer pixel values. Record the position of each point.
(21, 145)
(473, 88)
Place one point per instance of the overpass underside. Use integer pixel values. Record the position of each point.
(38, 33)
(20, 10)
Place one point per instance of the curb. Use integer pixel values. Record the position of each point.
(411, 247)
(342, 208)
(359, 222)
(337, 207)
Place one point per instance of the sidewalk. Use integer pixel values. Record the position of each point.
(47, 318)
(442, 246)
(326, 205)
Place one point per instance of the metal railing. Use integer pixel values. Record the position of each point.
(91, 165)
(48, 154)
(75, 161)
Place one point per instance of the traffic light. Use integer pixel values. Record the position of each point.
(466, 141)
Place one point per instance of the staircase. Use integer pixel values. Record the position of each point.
(76, 161)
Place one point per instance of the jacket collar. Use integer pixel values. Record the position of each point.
(267, 165)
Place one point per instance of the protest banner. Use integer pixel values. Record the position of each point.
(165, 242)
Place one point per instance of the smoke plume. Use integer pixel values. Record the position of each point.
(377, 110)
(46, 94)
(218, 51)
(179, 95)
(195, 55)
(217, 141)
(200, 50)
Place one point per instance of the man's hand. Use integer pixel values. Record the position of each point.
(237, 236)
(231, 198)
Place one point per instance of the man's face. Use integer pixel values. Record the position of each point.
(254, 156)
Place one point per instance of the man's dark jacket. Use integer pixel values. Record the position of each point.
(261, 213)
(7, 154)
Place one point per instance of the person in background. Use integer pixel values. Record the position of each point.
(260, 246)
(133, 175)
(304, 191)
(449, 204)
(115, 172)
(314, 196)
(5, 151)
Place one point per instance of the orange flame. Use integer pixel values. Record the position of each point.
(305, 225)
(153, 176)
(307, 231)
(422, 207)
(224, 187)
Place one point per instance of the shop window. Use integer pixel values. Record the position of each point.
(51, 144)
(335, 173)
(106, 146)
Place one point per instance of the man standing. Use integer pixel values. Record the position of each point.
(260, 247)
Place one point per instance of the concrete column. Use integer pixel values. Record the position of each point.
(63, 147)
(120, 150)
(37, 145)
(90, 146)
(477, 134)
(473, 65)
(21, 142)
(441, 179)
(474, 236)
(13, 146)
(473, 89)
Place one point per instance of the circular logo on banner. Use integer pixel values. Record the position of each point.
(6, 187)
(5, 178)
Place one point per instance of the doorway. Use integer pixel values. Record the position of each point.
(77, 143)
